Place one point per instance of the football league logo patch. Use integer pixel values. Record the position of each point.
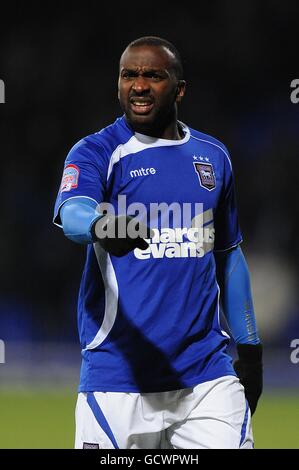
(206, 175)
(70, 178)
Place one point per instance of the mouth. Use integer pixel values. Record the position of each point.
(141, 105)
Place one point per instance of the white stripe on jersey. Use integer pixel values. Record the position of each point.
(218, 314)
(111, 296)
(139, 142)
(213, 143)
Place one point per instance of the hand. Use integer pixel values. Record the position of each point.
(249, 369)
(117, 234)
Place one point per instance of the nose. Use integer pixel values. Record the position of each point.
(140, 84)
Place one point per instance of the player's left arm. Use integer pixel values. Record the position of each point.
(236, 299)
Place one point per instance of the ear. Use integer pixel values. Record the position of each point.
(181, 88)
(118, 86)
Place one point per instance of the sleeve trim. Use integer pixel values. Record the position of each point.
(56, 219)
(216, 145)
(230, 247)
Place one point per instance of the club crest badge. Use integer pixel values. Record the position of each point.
(89, 445)
(206, 175)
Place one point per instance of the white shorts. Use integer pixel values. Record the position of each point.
(212, 415)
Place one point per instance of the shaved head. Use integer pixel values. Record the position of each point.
(150, 87)
(174, 54)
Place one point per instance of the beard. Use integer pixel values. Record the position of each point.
(154, 123)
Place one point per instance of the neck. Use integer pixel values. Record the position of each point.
(173, 132)
(169, 130)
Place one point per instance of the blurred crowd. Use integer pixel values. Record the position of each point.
(60, 68)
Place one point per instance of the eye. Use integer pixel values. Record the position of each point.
(127, 74)
(154, 76)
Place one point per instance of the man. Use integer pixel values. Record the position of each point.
(155, 371)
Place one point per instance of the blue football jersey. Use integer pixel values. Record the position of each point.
(149, 321)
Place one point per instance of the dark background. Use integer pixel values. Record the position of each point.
(59, 62)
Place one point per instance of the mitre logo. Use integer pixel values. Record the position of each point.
(142, 172)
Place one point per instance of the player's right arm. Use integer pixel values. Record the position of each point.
(82, 223)
(82, 188)
(84, 177)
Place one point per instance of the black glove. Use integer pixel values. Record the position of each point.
(249, 369)
(106, 231)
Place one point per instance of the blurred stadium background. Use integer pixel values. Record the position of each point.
(60, 66)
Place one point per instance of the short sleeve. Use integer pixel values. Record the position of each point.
(84, 175)
(227, 229)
